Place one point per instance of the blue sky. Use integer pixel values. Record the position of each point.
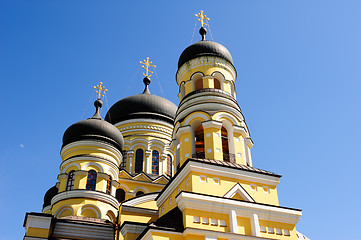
(299, 71)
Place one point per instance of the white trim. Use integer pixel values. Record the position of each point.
(233, 221)
(141, 199)
(186, 200)
(107, 162)
(130, 228)
(192, 116)
(212, 124)
(91, 207)
(146, 120)
(77, 165)
(149, 235)
(101, 170)
(62, 209)
(255, 225)
(85, 194)
(240, 190)
(215, 234)
(34, 221)
(141, 188)
(46, 208)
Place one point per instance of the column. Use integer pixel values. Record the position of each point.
(184, 136)
(212, 140)
(233, 222)
(148, 162)
(255, 225)
(163, 164)
(130, 164)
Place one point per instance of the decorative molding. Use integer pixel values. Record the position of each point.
(96, 195)
(132, 228)
(212, 124)
(241, 191)
(143, 120)
(200, 202)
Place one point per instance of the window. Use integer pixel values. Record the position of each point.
(222, 223)
(198, 83)
(217, 84)
(169, 165)
(214, 222)
(199, 142)
(155, 162)
(139, 160)
(91, 180)
(270, 230)
(123, 164)
(253, 187)
(196, 219)
(120, 195)
(286, 232)
(139, 193)
(70, 182)
(262, 228)
(203, 178)
(205, 220)
(109, 185)
(225, 148)
(216, 181)
(278, 231)
(265, 189)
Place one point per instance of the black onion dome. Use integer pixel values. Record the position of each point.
(94, 128)
(143, 105)
(204, 48)
(49, 195)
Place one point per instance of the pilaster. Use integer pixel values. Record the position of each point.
(212, 140)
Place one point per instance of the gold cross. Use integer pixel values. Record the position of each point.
(100, 88)
(147, 64)
(201, 18)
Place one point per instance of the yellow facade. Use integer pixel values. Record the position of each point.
(185, 176)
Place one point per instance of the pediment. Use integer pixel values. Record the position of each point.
(238, 192)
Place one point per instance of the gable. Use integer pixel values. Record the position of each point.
(238, 192)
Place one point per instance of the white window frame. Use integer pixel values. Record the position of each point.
(202, 176)
(253, 187)
(196, 219)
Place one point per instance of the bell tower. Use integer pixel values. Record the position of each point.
(209, 122)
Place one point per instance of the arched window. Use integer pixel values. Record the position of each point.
(155, 162)
(70, 182)
(120, 195)
(169, 165)
(139, 193)
(199, 142)
(217, 84)
(225, 147)
(139, 160)
(124, 161)
(91, 180)
(109, 185)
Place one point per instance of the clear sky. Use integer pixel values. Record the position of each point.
(299, 72)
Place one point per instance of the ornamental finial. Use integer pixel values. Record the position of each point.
(147, 64)
(201, 17)
(100, 88)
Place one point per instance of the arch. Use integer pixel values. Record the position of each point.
(155, 162)
(141, 189)
(140, 144)
(74, 164)
(169, 165)
(202, 115)
(220, 117)
(89, 210)
(95, 165)
(197, 79)
(109, 185)
(70, 181)
(230, 132)
(139, 156)
(125, 187)
(120, 195)
(218, 79)
(112, 173)
(62, 211)
(91, 180)
(111, 216)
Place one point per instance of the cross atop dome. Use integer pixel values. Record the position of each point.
(146, 64)
(201, 17)
(99, 90)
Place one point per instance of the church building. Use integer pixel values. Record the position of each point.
(154, 170)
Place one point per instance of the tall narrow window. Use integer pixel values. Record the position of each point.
(70, 182)
(91, 180)
(217, 84)
(182, 90)
(120, 195)
(169, 165)
(199, 142)
(109, 185)
(225, 148)
(124, 161)
(139, 160)
(155, 162)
